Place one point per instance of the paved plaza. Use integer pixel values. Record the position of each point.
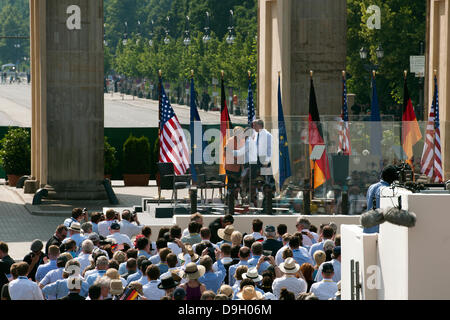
(21, 223)
(120, 112)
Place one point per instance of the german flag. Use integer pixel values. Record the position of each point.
(129, 294)
(410, 127)
(225, 126)
(321, 167)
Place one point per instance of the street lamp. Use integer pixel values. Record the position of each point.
(207, 37)
(125, 35)
(150, 42)
(231, 37)
(187, 39)
(139, 33)
(364, 55)
(167, 39)
(380, 52)
(104, 36)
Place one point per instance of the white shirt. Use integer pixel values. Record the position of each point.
(257, 236)
(174, 247)
(279, 256)
(130, 229)
(264, 146)
(152, 292)
(84, 261)
(121, 239)
(185, 233)
(291, 283)
(24, 289)
(307, 242)
(324, 289)
(103, 228)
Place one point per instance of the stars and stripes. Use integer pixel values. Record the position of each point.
(173, 146)
(250, 104)
(344, 139)
(438, 172)
(431, 157)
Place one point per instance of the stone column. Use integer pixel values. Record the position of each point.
(68, 112)
(438, 59)
(296, 36)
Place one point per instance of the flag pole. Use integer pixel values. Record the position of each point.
(405, 76)
(311, 73)
(158, 175)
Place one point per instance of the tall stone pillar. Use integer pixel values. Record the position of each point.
(438, 51)
(296, 36)
(67, 97)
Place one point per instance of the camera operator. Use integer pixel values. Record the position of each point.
(130, 224)
(388, 176)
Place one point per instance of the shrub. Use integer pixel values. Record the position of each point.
(110, 157)
(15, 153)
(136, 155)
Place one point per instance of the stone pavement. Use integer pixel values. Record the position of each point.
(21, 223)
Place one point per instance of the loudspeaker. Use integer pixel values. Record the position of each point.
(167, 212)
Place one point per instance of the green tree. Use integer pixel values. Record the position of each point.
(403, 26)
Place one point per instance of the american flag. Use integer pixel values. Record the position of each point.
(173, 146)
(250, 103)
(431, 157)
(344, 139)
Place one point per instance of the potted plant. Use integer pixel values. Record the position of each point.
(136, 160)
(110, 159)
(15, 154)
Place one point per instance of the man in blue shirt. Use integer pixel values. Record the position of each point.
(244, 256)
(212, 279)
(75, 234)
(388, 176)
(257, 251)
(43, 269)
(101, 266)
(301, 256)
(77, 216)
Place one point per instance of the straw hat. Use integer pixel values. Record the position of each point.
(253, 275)
(193, 271)
(116, 287)
(75, 226)
(249, 293)
(190, 255)
(226, 290)
(226, 232)
(289, 266)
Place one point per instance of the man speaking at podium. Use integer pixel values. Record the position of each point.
(263, 141)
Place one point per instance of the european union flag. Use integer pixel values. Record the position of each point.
(196, 131)
(376, 133)
(250, 103)
(284, 160)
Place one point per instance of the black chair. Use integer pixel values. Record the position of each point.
(201, 181)
(170, 181)
(213, 180)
